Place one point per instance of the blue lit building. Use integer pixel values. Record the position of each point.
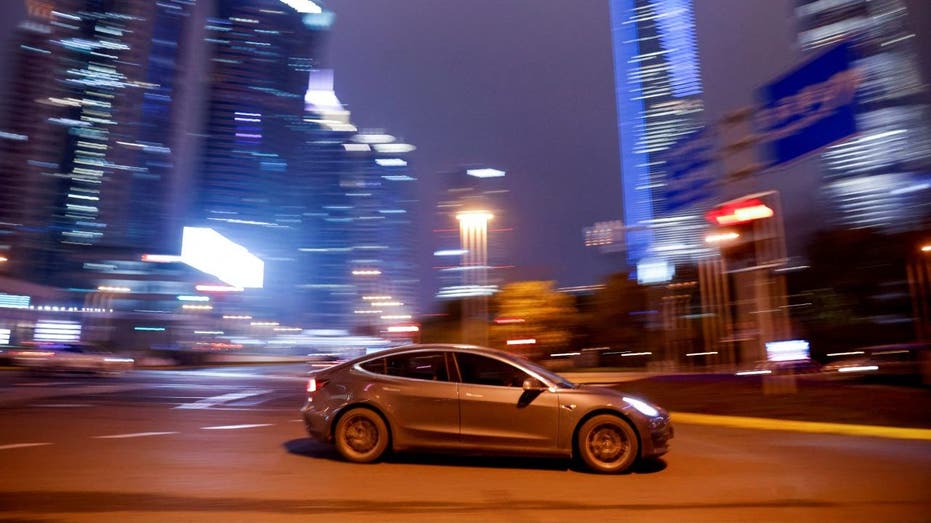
(659, 101)
(880, 178)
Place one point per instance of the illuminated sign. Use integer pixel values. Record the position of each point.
(51, 330)
(485, 173)
(739, 212)
(811, 107)
(209, 251)
(654, 271)
(788, 350)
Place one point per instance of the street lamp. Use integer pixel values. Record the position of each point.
(473, 240)
(919, 283)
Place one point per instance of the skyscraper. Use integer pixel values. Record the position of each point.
(658, 94)
(882, 177)
(285, 173)
(87, 143)
(464, 274)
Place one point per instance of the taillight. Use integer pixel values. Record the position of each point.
(314, 384)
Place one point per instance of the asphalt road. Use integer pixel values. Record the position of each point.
(227, 445)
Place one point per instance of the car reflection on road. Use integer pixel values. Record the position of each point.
(70, 357)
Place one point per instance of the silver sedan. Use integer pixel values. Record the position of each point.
(477, 400)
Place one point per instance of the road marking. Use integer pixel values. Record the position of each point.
(233, 427)
(206, 403)
(215, 374)
(46, 383)
(297, 421)
(22, 445)
(801, 426)
(134, 435)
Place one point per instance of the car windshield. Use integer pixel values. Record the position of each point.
(543, 372)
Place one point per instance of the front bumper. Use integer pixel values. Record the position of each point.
(660, 432)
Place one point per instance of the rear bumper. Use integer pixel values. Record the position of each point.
(316, 423)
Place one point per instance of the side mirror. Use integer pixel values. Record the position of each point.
(533, 384)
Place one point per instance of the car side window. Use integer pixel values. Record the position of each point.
(418, 365)
(482, 370)
(376, 366)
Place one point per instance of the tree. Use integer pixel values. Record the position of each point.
(618, 313)
(856, 291)
(533, 310)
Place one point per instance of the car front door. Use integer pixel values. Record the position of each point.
(496, 413)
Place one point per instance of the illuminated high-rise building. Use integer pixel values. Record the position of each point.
(659, 101)
(472, 232)
(882, 177)
(87, 146)
(285, 173)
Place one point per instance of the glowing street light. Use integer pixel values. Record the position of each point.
(721, 237)
(473, 240)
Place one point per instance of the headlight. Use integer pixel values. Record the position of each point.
(642, 407)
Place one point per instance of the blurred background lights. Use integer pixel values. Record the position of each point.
(485, 173)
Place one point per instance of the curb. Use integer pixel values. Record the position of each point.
(801, 426)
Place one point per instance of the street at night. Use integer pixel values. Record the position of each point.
(226, 444)
(495, 260)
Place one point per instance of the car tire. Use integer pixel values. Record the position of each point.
(607, 444)
(361, 436)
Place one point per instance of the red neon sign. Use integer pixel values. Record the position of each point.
(739, 212)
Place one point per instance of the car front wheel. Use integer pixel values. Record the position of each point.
(607, 444)
(361, 436)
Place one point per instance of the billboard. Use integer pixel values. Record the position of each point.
(209, 251)
(689, 167)
(810, 107)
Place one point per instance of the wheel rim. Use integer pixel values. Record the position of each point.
(607, 443)
(361, 435)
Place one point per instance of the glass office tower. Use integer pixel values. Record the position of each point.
(286, 174)
(87, 143)
(882, 177)
(659, 101)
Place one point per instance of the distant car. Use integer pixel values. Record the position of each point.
(901, 362)
(477, 400)
(800, 366)
(323, 360)
(74, 357)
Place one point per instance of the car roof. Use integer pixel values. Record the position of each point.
(435, 346)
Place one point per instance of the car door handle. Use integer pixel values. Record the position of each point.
(470, 395)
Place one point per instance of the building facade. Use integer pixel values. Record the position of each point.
(87, 144)
(659, 101)
(285, 173)
(472, 232)
(880, 178)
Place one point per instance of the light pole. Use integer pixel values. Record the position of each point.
(919, 283)
(473, 240)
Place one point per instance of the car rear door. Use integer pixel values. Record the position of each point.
(496, 413)
(420, 399)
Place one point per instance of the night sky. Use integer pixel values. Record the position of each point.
(527, 86)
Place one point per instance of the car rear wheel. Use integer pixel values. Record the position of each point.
(607, 444)
(361, 436)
